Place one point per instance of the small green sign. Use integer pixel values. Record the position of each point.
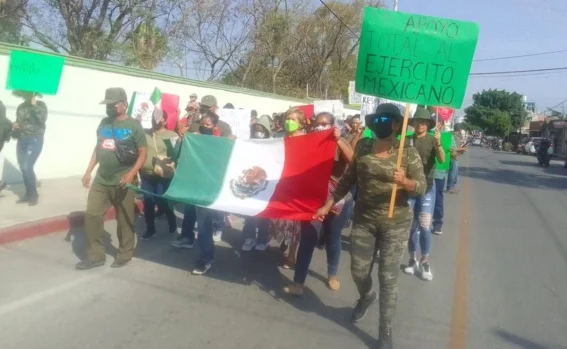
(415, 59)
(34, 72)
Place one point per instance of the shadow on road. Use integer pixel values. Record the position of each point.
(232, 266)
(522, 342)
(522, 179)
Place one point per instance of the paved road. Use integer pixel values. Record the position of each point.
(500, 283)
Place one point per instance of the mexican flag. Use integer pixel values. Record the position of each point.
(144, 106)
(275, 178)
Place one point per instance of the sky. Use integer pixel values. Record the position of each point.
(510, 28)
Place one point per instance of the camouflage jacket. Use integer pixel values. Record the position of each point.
(374, 179)
(31, 118)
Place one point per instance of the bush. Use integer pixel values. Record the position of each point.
(507, 146)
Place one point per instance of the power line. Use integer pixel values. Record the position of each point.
(519, 56)
(518, 71)
(340, 20)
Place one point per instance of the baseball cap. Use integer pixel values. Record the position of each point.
(114, 95)
(208, 101)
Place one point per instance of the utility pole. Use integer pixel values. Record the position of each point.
(395, 5)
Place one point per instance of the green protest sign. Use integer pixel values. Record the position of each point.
(414, 58)
(34, 72)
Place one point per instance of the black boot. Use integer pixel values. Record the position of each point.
(385, 339)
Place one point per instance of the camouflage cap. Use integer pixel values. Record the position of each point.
(114, 95)
(209, 101)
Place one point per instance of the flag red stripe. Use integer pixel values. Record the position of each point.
(303, 185)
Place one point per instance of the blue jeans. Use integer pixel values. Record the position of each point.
(189, 220)
(330, 229)
(158, 186)
(261, 224)
(453, 174)
(205, 217)
(420, 231)
(28, 150)
(438, 211)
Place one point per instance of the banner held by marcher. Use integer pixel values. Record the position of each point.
(34, 72)
(414, 58)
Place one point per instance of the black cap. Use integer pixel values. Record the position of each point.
(386, 109)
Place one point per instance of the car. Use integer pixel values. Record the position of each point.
(477, 141)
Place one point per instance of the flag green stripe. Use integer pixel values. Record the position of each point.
(200, 170)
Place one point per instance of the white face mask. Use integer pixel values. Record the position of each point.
(259, 135)
(322, 128)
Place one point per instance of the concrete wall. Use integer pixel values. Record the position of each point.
(74, 113)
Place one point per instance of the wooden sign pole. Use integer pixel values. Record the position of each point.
(399, 160)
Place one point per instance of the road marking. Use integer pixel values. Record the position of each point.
(460, 318)
(39, 296)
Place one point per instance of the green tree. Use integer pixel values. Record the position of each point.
(11, 14)
(488, 101)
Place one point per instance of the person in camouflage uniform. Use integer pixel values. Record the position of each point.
(374, 171)
(29, 129)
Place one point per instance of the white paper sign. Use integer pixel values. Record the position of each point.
(335, 107)
(353, 96)
(239, 121)
(370, 103)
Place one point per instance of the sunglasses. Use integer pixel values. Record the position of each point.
(381, 119)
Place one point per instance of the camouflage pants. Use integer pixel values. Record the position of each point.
(390, 240)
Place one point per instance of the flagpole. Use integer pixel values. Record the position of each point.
(401, 147)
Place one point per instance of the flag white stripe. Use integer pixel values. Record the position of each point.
(266, 154)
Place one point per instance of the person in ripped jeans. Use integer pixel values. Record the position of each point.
(429, 149)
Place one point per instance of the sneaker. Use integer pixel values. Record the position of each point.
(412, 267)
(217, 235)
(33, 201)
(248, 245)
(437, 232)
(261, 246)
(88, 264)
(333, 283)
(119, 263)
(202, 268)
(385, 340)
(362, 305)
(182, 242)
(425, 270)
(148, 235)
(294, 290)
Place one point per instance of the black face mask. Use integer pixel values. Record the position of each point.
(111, 111)
(383, 132)
(205, 130)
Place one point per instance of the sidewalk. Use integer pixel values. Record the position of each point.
(62, 201)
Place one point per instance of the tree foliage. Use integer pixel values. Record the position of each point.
(497, 112)
(294, 47)
(11, 14)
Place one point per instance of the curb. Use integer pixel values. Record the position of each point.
(52, 225)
